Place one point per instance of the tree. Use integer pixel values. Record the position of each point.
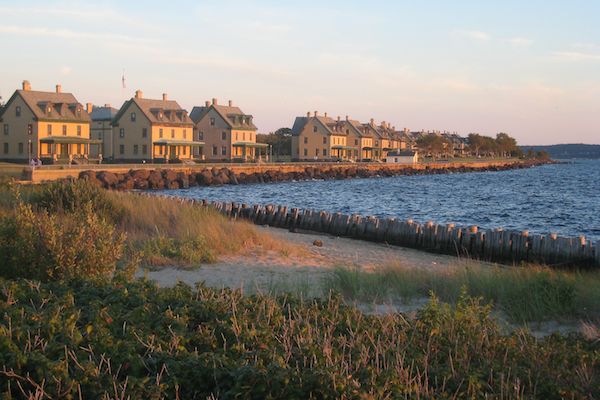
(432, 144)
(280, 140)
(506, 145)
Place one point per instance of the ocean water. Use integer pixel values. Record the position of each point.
(561, 198)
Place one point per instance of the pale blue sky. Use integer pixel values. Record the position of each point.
(532, 70)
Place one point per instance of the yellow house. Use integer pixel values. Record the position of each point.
(362, 139)
(229, 133)
(317, 137)
(155, 131)
(52, 126)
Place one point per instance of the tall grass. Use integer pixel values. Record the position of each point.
(532, 293)
(158, 231)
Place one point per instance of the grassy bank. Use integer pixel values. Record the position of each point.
(155, 231)
(523, 294)
(132, 340)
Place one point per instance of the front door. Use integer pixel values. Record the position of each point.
(172, 152)
(64, 150)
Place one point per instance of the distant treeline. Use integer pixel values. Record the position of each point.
(567, 150)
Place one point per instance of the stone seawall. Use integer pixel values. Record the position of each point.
(178, 178)
(497, 245)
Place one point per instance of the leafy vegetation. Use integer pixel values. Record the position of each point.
(523, 294)
(132, 340)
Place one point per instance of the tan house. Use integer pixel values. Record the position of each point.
(52, 126)
(101, 129)
(229, 133)
(154, 130)
(317, 137)
(362, 139)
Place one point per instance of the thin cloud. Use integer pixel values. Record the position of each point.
(475, 35)
(70, 34)
(575, 56)
(520, 42)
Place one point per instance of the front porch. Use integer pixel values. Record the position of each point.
(166, 151)
(250, 151)
(342, 152)
(67, 149)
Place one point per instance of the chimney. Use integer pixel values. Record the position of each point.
(165, 97)
(107, 105)
(26, 85)
(308, 114)
(89, 107)
(58, 89)
(347, 118)
(139, 94)
(338, 118)
(207, 103)
(325, 115)
(316, 113)
(230, 103)
(383, 124)
(215, 101)
(372, 121)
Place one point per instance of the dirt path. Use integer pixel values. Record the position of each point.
(272, 271)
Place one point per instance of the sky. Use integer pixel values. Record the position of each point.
(531, 69)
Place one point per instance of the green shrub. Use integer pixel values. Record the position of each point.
(43, 246)
(70, 196)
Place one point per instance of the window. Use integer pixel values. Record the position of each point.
(18, 111)
(144, 132)
(214, 150)
(347, 131)
(356, 142)
(185, 150)
(20, 148)
(250, 136)
(224, 135)
(223, 150)
(305, 140)
(6, 129)
(144, 149)
(64, 130)
(324, 152)
(135, 149)
(29, 129)
(122, 132)
(236, 136)
(5, 148)
(305, 152)
(160, 133)
(317, 152)
(78, 130)
(185, 133)
(325, 140)
(133, 116)
(200, 135)
(212, 122)
(121, 149)
(315, 128)
(49, 130)
(377, 143)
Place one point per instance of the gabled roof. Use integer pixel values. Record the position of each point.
(405, 153)
(158, 111)
(233, 116)
(51, 106)
(328, 123)
(103, 113)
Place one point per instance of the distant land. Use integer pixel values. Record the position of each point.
(568, 150)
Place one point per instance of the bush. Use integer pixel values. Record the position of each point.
(162, 250)
(58, 246)
(70, 196)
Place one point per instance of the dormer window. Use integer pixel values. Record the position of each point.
(18, 111)
(160, 115)
(133, 116)
(49, 110)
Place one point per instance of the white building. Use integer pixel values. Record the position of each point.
(402, 157)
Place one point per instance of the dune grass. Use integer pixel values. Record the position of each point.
(158, 231)
(531, 293)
